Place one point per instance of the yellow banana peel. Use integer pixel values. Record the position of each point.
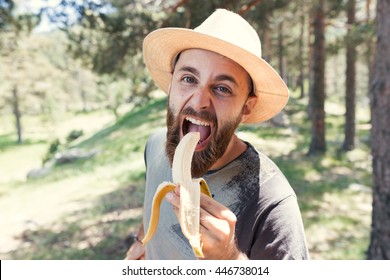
(190, 189)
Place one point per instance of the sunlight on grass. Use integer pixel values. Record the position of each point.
(339, 226)
(16, 162)
(42, 205)
(84, 208)
(276, 147)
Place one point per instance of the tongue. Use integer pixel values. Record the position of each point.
(203, 130)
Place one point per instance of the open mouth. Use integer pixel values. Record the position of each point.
(195, 125)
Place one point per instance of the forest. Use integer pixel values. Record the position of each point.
(77, 106)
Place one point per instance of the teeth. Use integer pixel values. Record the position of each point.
(197, 122)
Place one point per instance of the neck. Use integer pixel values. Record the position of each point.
(235, 148)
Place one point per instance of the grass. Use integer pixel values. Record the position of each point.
(82, 210)
(86, 210)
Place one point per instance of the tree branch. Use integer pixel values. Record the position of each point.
(173, 9)
(244, 9)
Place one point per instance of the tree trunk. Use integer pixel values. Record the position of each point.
(310, 36)
(317, 95)
(266, 44)
(350, 93)
(370, 41)
(380, 136)
(301, 78)
(16, 112)
(282, 63)
(83, 95)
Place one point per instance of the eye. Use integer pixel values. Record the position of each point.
(189, 79)
(223, 90)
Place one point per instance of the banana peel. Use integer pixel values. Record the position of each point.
(190, 189)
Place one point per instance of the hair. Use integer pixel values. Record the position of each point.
(252, 87)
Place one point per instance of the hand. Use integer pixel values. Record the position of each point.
(136, 251)
(217, 228)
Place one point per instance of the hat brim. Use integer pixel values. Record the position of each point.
(160, 47)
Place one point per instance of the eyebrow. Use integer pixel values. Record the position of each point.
(225, 77)
(222, 77)
(190, 69)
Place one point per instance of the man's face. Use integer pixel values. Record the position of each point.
(208, 94)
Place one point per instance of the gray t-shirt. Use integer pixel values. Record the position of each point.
(269, 223)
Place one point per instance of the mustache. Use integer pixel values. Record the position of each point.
(204, 115)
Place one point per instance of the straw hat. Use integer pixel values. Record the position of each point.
(228, 34)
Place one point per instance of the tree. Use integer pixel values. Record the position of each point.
(13, 27)
(8, 31)
(301, 58)
(380, 136)
(27, 81)
(106, 35)
(317, 91)
(350, 85)
(369, 41)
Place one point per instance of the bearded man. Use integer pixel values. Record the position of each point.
(216, 79)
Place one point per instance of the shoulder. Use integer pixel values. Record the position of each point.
(273, 183)
(269, 187)
(158, 136)
(268, 169)
(156, 141)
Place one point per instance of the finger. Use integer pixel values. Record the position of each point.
(206, 236)
(214, 226)
(216, 245)
(216, 209)
(173, 199)
(212, 214)
(135, 252)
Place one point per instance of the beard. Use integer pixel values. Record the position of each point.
(203, 160)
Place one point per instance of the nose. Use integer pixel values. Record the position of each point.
(200, 100)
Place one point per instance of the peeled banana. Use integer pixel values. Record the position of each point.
(190, 190)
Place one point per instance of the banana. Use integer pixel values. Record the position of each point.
(190, 189)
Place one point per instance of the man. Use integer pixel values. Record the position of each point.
(215, 79)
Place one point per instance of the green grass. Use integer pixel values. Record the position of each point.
(82, 210)
(85, 210)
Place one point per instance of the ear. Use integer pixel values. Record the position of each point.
(248, 107)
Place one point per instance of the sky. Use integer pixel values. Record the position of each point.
(28, 6)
